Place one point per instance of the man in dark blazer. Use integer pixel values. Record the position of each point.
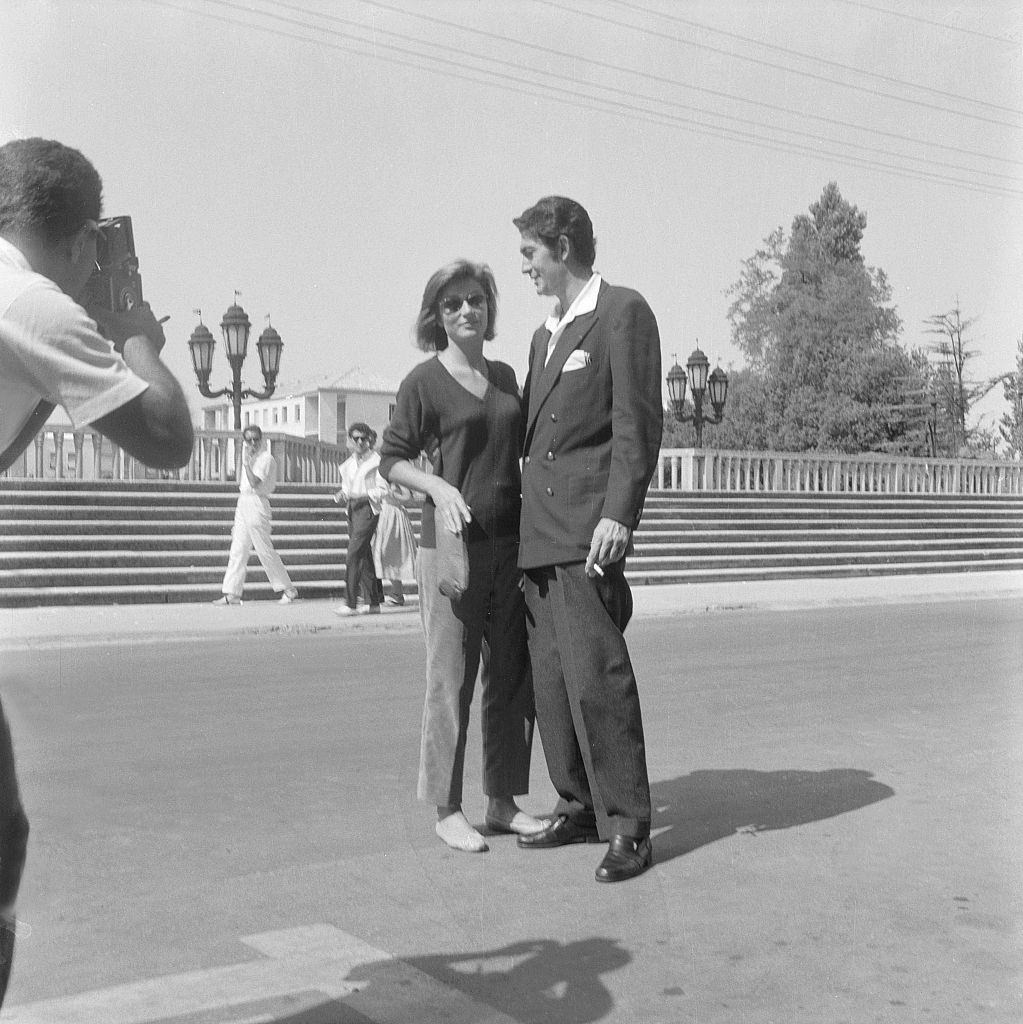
(593, 417)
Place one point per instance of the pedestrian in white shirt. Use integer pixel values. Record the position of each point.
(252, 523)
(361, 490)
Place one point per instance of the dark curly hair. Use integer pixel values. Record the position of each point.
(553, 216)
(47, 189)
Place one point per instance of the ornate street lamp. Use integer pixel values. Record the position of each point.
(235, 327)
(715, 385)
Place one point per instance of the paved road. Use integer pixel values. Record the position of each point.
(226, 831)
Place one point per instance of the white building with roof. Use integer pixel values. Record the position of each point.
(323, 408)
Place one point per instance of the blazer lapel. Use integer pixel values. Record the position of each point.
(545, 377)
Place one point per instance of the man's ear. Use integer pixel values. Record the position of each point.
(76, 244)
(564, 249)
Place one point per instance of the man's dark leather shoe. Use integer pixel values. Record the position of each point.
(625, 858)
(560, 832)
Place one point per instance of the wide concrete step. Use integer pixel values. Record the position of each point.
(301, 549)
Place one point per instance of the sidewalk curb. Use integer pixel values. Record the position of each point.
(90, 625)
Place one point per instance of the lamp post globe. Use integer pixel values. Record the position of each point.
(201, 345)
(676, 381)
(269, 348)
(235, 327)
(699, 366)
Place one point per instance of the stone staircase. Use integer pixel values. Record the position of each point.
(107, 542)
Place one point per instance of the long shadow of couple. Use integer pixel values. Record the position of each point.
(545, 981)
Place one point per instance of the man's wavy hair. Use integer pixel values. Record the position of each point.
(429, 329)
(47, 190)
(553, 216)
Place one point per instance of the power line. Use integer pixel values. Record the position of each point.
(775, 67)
(927, 21)
(458, 69)
(662, 80)
(812, 57)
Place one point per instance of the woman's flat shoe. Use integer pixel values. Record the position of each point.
(521, 824)
(460, 835)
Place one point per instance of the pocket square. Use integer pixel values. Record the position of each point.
(577, 360)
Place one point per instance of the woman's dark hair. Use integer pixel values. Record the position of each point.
(554, 216)
(429, 329)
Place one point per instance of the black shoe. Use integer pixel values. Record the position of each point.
(626, 857)
(560, 831)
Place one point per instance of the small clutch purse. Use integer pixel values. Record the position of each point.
(452, 563)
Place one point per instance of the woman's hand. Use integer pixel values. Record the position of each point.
(452, 511)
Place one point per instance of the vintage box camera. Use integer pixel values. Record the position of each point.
(115, 284)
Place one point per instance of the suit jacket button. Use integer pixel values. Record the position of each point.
(550, 456)
(550, 491)
(527, 459)
(554, 418)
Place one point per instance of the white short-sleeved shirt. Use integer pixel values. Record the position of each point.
(264, 466)
(50, 349)
(360, 479)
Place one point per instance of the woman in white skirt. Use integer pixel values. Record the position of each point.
(394, 543)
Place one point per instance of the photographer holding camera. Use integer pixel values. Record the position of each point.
(102, 366)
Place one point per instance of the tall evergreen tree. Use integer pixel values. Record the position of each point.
(820, 333)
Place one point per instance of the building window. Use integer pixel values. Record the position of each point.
(390, 410)
(275, 416)
(298, 413)
(247, 415)
(284, 414)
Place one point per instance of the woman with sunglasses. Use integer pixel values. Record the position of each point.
(360, 491)
(465, 411)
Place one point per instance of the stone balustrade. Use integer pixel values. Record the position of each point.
(708, 469)
(62, 454)
(58, 453)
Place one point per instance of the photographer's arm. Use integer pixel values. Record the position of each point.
(154, 427)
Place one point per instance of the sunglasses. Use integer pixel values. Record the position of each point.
(359, 439)
(453, 303)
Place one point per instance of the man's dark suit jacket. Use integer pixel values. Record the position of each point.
(593, 420)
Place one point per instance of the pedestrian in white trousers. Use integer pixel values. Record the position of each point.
(252, 523)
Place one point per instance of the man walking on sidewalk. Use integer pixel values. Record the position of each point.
(252, 523)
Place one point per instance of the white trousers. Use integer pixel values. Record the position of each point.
(251, 530)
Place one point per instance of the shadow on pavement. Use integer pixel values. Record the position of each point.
(534, 982)
(705, 806)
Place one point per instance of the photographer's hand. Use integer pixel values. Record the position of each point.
(133, 323)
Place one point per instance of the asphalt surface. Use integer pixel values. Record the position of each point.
(225, 828)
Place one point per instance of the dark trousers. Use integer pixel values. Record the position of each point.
(587, 702)
(13, 847)
(359, 569)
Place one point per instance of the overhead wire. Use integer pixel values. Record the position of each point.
(513, 82)
(788, 52)
(892, 13)
(664, 80)
(585, 13)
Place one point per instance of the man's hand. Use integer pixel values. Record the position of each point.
(610, 539)
(138, 322)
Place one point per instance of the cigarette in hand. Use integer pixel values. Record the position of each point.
(597, 569)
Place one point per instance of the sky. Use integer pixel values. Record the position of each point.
(323, 159)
